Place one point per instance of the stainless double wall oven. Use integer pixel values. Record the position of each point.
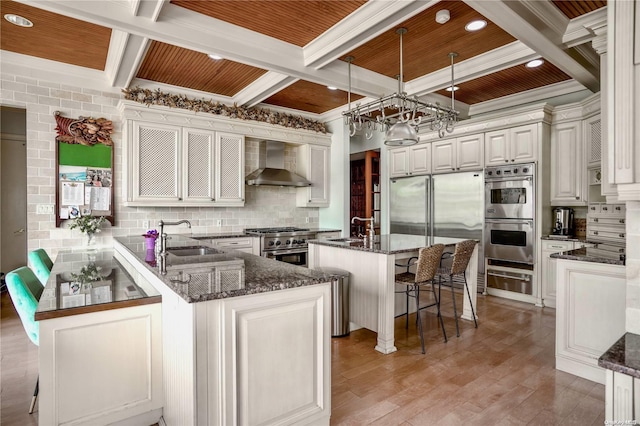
(509, 238)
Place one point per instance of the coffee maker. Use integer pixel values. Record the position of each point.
(563, 221)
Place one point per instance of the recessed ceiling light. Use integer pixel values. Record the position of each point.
(18, 20)
(215, 57)
(476, 25)
(332, 88)
(448, 89)
(534, 63)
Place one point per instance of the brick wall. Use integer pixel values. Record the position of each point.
(265, 206)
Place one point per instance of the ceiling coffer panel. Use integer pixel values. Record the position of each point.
(174, 65)
(55, 37)
(573, 9)
(507, 82)
(296, 22)
(427, 44)
(311, 97)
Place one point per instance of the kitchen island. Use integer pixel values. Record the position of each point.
(373, 301)
(245, 339)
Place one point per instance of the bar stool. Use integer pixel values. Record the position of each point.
(41, 264)
(426, 268)
(461, 256)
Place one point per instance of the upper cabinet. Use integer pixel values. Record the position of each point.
(463, 153)
(410, 160)
(313, 164)
(592, 133)
(180, 166)
(514, 145)
(568, 170)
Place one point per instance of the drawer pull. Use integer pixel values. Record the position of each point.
(595, 219)
(595, 232)
(605, 208)
(621, 235)
(618, 208)
(621, 220)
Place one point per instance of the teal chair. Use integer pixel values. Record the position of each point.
(25, 290)
(41, 264)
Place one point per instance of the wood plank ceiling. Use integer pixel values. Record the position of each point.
(426, 46)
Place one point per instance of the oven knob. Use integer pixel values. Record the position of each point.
(278, 243)
(271, 243)
(498, 172)
(515, 171)
(525, 170)
(296, 242)
(288, 242)
(489, 172)
(302, 241)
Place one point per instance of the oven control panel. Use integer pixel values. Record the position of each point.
(507, 171)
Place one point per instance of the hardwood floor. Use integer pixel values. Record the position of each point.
(499, 374)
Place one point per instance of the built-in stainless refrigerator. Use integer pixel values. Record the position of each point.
(443, 205)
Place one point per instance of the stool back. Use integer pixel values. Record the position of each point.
(428, 261)
(41, 264)
(461, 256)
(25, 290)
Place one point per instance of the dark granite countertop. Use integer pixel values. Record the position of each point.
(601, 253)
(623, 356)
(325, 230)
(226, 273)
(388, 243)
(216, 235)
(84, 281)
(558, 238)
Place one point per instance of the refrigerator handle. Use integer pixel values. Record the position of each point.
(430, 209)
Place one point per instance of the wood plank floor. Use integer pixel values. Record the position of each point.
(499, 374)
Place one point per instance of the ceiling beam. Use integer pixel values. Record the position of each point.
(267, 85)
(522, 21)
(126, 52)
(364, 24)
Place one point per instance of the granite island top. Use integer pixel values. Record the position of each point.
(236, 234)
(84, 281)
(388, 243)
(601, 253)
(225, 273)
(623, 356)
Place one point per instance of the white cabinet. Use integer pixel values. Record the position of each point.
(592, 134)
(245, 244)
(410, 160)
(328, 235)
(568, 170)
(515, 145)
(590, 315)
(463, 153)
(178, 166)
(548, 270)
(313, 164)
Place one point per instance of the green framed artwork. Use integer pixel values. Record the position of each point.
(84, 170)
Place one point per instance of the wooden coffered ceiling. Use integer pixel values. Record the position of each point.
(284, 54)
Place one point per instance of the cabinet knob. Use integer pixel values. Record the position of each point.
(621, 220)
(595, 232)
(577, 197)
(179, 198)
(513, 160)
(618, 208)
(595, 219)
(605, 209)
(453, 168)
(506, 161)
(621, 235)
(213, 199)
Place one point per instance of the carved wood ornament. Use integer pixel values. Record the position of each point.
(84, 130)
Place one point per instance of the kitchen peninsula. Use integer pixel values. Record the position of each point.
(372, 269)
(236, 339)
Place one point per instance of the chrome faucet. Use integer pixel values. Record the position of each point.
(372, 230)
(163, 235)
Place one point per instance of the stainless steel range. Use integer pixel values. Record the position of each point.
(287, 244)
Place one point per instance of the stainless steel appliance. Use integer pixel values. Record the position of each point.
(509, 191)
(443, 205)
(563, 221)
(509, 213)
(287, 244)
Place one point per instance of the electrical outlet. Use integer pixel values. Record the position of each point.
(44, 209)
(307, 218)
(145, 224)
(219, 222)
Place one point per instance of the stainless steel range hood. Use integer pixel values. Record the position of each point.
(271, 169)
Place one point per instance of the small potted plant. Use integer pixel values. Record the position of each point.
(89, 225)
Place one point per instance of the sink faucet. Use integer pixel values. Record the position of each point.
(371, 230)
(163, 235)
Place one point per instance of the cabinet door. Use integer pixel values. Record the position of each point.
(548, 271)
(567, 174)
(398, 162)
(198, 152)
(496, 148)
(229, 170)
(419, 159)
(470, 152)
(155, 169)
(523, 143)
(313, 164)
(592, 130)
(443, 156)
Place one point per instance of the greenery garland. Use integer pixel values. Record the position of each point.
(156, 97)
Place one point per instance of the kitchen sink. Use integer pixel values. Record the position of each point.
(193, 251)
